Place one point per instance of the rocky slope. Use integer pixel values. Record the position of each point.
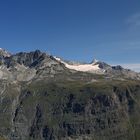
(70, 110)
(41, 99)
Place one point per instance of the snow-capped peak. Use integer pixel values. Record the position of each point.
(94, 61)
(57, 58)
(93, 67)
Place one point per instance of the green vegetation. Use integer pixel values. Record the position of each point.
(75, 109)
(1, 138)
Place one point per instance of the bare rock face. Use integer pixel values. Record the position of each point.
(4, 53)
(25, 66)
(65, 110)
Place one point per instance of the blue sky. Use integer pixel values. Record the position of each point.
(108, 30)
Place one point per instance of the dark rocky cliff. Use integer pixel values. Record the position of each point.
(71, 111)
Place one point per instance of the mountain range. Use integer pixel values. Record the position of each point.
(43, 97)
(24, 66)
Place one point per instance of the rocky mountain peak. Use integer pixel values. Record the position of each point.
(24, 66)
(4, 53)
(94, 61)
(27, 58)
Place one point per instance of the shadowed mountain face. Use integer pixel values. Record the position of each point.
(70, 110)
(26, 59)
(41, 99)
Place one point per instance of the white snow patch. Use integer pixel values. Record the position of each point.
(58, 59)
(84, 68)
(81, 67)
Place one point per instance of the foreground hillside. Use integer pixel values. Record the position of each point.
(71, 110)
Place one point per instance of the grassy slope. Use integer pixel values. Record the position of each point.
(53, 99)
(57, 95)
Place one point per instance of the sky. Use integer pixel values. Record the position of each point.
(80, 30)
